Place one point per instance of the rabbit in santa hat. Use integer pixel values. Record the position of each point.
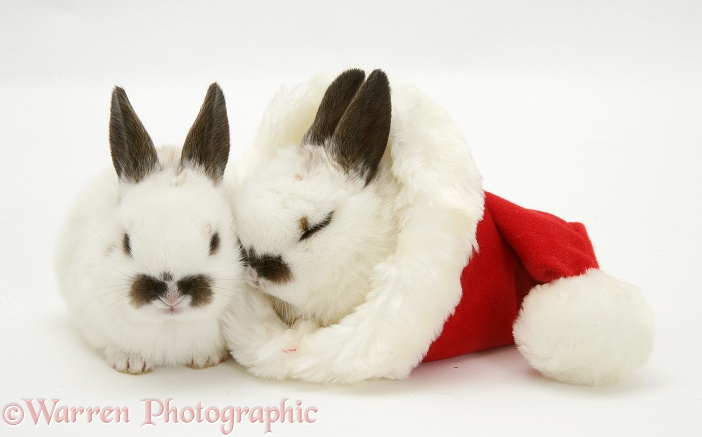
(371, 246)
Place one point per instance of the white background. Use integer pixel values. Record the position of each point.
(591, 110)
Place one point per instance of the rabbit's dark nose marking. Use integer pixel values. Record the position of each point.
(270, 267)
(146, 288)
(198, 287)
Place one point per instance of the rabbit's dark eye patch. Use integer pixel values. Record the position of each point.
(126, 245)
(214, 243)
(308, 231)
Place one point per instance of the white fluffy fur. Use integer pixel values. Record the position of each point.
(384, 276)
(170, 216)
(590, 329)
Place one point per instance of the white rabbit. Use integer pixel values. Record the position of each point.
(315, 222)
(319, 216)
(147, 260)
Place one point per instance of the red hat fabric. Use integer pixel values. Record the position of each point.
(519, 248)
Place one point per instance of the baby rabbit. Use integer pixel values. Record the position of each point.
(313, 223)
(147, 260)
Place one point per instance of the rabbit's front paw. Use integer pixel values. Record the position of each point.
(292, 337)
(128, 363)
(204, 361)
(275, 358)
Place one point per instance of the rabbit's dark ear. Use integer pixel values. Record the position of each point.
(207, 144)
(133, 152)
(335, 101)
(361, 137)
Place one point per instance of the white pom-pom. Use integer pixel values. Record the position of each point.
(588, 330)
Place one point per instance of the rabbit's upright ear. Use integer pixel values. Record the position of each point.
(334, 103)
(207, 144)
(361, 137)
(133, 152)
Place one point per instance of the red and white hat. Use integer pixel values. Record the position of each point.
(574, 322)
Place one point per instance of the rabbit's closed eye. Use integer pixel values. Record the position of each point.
(308, 231)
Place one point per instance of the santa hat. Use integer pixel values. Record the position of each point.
(576, 323)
